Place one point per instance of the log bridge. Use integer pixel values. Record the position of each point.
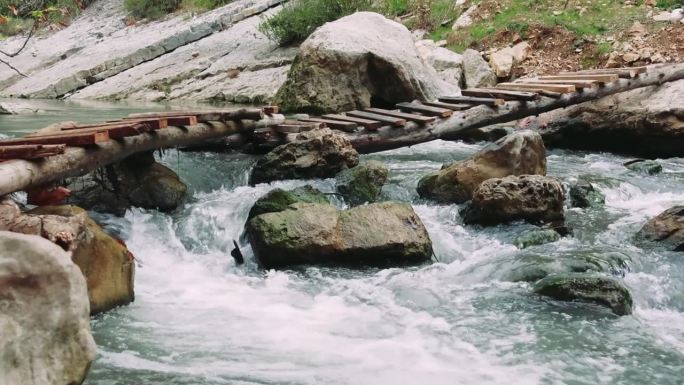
(41, 158)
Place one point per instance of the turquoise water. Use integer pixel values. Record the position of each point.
(199, 319)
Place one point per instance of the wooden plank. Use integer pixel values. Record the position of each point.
(579, 84)
(539, 91)
(625, 72)
(560, 88)
(180, 121)
(420, 119)
(114, 132)
(33, 151)
(365, 123)
(427, 110)
(500, 94)
(450, 106)
(493, 102)
(601, 78)
(155, 124)
(391, 120)
(82, 139)
(336, 124)
(205, 116)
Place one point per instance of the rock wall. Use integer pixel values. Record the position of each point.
(45, 329)
(218, 55)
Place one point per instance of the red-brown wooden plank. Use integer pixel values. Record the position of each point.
(421, 119)
(427, 110)
(391, 120)
(80, 139)
(336, 124)
(365, 123)
(33, 151)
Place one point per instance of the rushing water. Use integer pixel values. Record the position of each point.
(200, 319)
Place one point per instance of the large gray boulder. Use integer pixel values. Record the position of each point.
(587, 287)
(666, 229)
(278, 200)
(476, 70)
(357, 60)
(520, 153)
(45, 336)
(533, 198)
(318, 153)
(137, 181)
(645, 122)
(387, 233)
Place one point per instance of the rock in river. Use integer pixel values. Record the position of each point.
(533, 198)
(45, 329)
(106, 263)
(362, 183)
(537, 237)
(387, 233)
(587, 287)
(644, 166)
(667, 229)
(584, 194)
(520, 153)
(318, 153)
(356, 61)
(137, 181)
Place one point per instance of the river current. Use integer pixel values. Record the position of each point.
(200, 319)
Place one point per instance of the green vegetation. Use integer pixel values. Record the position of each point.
(151, 9)
(585, 18)
(669, 4)
(17, 16)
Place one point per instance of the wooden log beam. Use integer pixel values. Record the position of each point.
(457, 126)
(17, 175)
(31, 151)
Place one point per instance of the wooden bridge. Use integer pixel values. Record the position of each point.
(48, 156)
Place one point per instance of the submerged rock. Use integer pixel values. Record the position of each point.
(362, 183)
(583, 194)
(318, 153)
(644, 166)
(278, 200)
(537, 237)
(45, 336)
(593, 288)
(387, 233)
(533, 267)
(137, 181)
(666, 229)
(520, 153)
(533, 198)
(106, 263)
(356, 61)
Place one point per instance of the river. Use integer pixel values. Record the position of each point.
(200, 319)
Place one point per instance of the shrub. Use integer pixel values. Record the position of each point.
(669, 4)
(204, 5)
(300, 18)
(151, 9)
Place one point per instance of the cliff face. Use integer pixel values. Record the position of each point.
(216, 56)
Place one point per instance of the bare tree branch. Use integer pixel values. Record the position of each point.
(12, 68)
(33, 29)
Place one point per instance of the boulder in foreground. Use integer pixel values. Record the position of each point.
(44, 314)
(587, 287)
(378, 234)
(356, 61)
(666, 229)
(520, 153)
(533, 198)
(318, 153)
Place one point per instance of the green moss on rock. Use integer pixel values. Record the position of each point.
(593, 288)
(362, 183)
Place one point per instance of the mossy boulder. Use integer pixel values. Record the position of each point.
(520, 153)
(105, 262)
(584, 194)
(379, 234)
(644, 166)
(583, 287)
(137, 181)
(278, 200)
(362, 183)
(537, 237)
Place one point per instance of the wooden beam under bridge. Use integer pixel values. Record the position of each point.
(18, 175)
